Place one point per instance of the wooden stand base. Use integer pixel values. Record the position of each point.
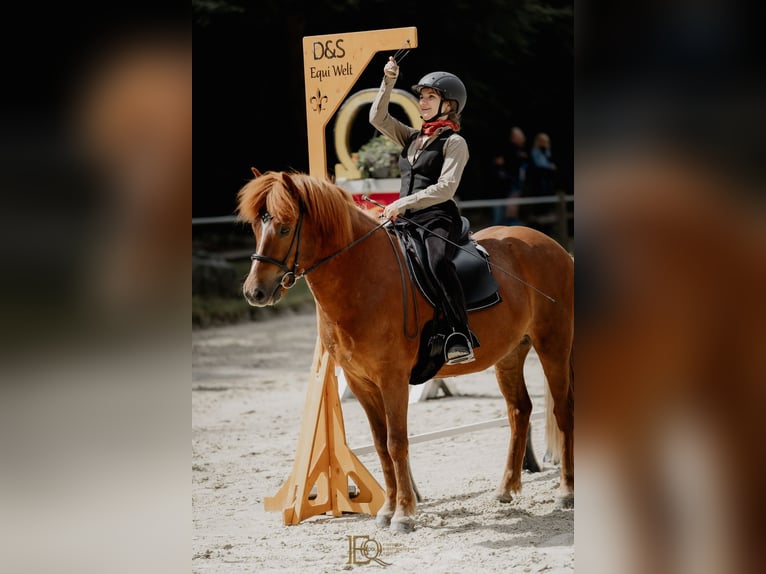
(323, 458)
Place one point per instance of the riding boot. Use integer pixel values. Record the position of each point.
(460, 343)
(440, 247)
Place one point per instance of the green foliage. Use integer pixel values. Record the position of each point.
(205, 10)
(379, 158)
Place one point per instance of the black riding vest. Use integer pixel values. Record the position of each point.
(427, 167)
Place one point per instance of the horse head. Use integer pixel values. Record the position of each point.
(271, 204)
(297, 220)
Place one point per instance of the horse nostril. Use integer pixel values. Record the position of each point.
(254, 296)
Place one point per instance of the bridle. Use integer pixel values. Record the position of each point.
(291, 276)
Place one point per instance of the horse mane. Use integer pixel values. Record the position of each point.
(327, 205)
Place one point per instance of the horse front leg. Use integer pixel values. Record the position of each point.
(403, 519)
(369, 396)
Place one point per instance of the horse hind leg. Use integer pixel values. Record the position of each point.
(530, 460)
(559, 372)
(509, 372)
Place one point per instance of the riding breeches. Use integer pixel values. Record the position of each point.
(440, 239)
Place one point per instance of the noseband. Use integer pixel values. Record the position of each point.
(289, 278)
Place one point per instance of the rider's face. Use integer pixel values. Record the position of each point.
(429, 104)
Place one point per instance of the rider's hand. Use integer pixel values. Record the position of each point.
(392, 211)
(391, 69)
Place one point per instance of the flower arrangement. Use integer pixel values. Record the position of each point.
(379, 158)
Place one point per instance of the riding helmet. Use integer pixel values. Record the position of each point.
(449, 85)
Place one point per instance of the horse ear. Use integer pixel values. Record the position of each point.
(255, 171)
(291, 186)
(288, 182)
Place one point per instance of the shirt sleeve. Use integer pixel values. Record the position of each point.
(384, 122)
(455, 159)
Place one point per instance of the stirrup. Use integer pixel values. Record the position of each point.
(459, 351)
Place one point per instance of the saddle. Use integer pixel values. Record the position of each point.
(479, 288)
(471, 262)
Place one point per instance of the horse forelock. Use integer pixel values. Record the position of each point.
(266, 192)
(284, 194)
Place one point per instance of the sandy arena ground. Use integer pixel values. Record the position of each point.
(248, 391)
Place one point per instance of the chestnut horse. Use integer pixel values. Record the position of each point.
(309, 226)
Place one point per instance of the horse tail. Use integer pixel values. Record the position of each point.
(553, 435)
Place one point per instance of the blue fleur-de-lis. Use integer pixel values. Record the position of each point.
(318, 102)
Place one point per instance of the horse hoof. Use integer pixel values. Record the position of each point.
(383, 520)
(403, 524)
(503, 497)
(565, 501)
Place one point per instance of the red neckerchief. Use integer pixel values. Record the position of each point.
(430, 127)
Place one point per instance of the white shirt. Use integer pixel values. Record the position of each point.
(455, 152)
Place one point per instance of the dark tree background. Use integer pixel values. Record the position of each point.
(515, 57)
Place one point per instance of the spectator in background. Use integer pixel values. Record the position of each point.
(517, 164)
(540, 182)
(543, 168)
(508, 174)
(500, 187)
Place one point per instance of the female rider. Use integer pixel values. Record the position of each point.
(432, 163)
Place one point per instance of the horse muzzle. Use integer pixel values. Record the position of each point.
(263, 295)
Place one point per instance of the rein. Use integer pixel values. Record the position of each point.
(404, 290)
(494, 266)
(290, 278)
(341, 250)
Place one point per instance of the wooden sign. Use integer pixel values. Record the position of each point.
(332, 63)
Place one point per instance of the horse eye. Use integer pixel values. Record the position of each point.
(284, 230)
